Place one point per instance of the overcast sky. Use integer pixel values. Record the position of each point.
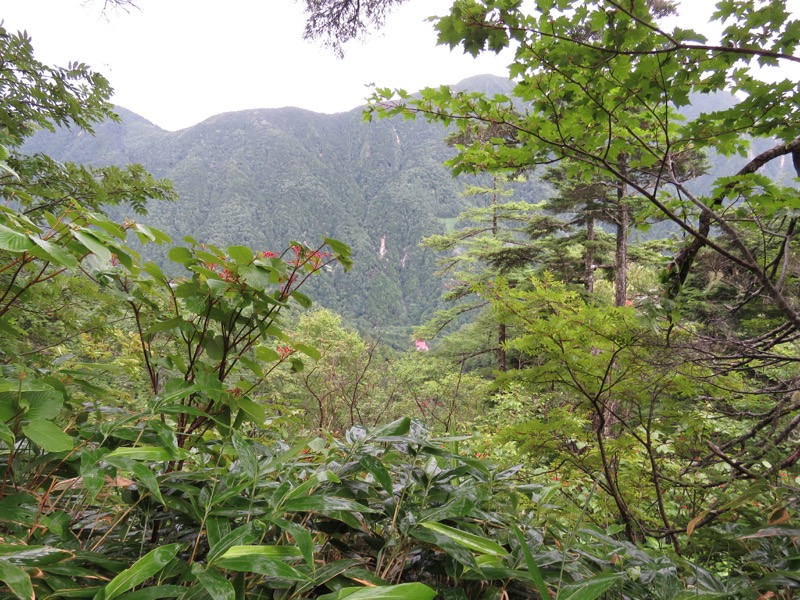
(177, 62)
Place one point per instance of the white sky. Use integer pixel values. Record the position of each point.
(177, 62)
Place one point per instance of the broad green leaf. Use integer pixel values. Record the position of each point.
(10, 329)
(257, 276)
(280, 552)
(93, 244)
(4, 167)
(253, 365)
(590, 588)
(55, 253)
(216, 530)
(261, 563)
(468, 540)
(317, 478)
(20, 508)
(457, 507)
(247, 457)
(349, 568)
(83, 591)
(33, 556)
(165, 433)
(533, 569)
(241, 254)
(155, 592)
(171, 399)
(337, 246)
(342, 250)
(179, 254)
(256, 412)
(154, 271)
(438, 540)
(8, 407)
(17, 580)
(217, 586)
(58, 522)
(377, 469)
(13, 241)
(142, 570)
(40, 405)
(168, 324)
(6, 434)
(309, 351)
(239, 537)
(302, 299)
(106, 225)
(301, 535)
(324, 504)
(151, 233)
(144, 475)
(265, 354)
(212, 256)
(403, 591)
(48, 436)
(395, 428)
(281, 459)
(112, 565)
(148, 453)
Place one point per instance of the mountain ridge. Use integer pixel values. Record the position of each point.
(265, 177)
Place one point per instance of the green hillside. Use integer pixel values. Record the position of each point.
(264, 177)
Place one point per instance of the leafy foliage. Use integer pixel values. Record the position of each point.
(597, 86)
(641, 450)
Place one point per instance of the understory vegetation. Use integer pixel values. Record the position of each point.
(586, 417)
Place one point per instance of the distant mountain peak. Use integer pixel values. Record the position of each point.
(488, 84)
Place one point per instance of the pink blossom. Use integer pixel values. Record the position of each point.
(422, 345)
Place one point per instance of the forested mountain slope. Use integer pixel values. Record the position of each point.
(264, 177)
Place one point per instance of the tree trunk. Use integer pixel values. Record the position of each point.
(501, 328)
(588, 260)
(501, 351)
(621, 255)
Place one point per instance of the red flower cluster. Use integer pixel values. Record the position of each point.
(298, 254)
(284, 351)
(268, 254)
(317, 258)
(229, 276)
(302, 255)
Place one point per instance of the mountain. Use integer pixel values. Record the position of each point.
(264, 177)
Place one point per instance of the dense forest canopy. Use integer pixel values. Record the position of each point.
(598, 417)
